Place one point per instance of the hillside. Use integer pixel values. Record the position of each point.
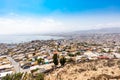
(102, 30)
(111, 30)
(95, 70)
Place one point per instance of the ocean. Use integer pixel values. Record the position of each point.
(24, 38)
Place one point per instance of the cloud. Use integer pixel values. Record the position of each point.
(29, 25)
(47, 24)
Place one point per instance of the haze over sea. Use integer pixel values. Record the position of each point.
(24, 38)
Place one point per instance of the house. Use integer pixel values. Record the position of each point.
(106, 49)
(47, 61)
(78, 58)
(42, 57)
(34, 63)
(117, 55)
(30, 55)
(6, 66)
(103, 57)
(3, 74)
(111, 56)
(34, 67)
(38, 53)
(90, 54)
(25, 64)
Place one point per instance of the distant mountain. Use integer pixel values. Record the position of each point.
(92, 31)
(103, 30)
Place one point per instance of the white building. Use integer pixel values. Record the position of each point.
(3, 74)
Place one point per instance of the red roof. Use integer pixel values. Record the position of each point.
(103, 57)
(55, 52)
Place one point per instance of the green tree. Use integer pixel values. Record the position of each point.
(40, 60)
(78, 53)
(55, 59)
(62, 61)
(71, 55)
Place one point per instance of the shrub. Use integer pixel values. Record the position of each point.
(40, 76)
(40, 60)
(16, 76)
(62, 61)
(71, 55)
(78, 53)
(110, 63)
(70, 60)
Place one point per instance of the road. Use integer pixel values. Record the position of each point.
(15, 64)
(19, 69)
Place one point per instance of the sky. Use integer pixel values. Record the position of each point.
(57, 16)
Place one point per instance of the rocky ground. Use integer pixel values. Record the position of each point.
(93, 70)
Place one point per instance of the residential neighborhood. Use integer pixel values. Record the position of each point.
(37, 56)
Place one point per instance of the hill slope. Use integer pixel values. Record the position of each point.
(88, 71)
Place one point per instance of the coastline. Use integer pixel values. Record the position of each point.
(16, 39)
